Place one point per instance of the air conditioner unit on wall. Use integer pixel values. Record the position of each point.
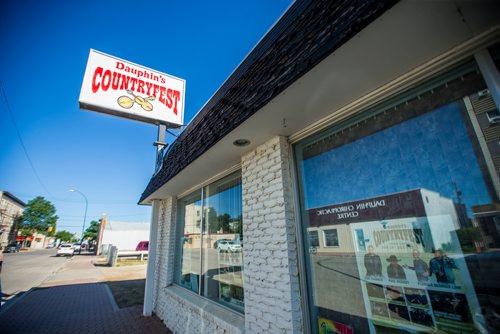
(483, 93)
(494, 119)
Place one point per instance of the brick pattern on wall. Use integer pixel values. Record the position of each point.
(159, 254)
(271, 282)
(187, 313)
(164, 267)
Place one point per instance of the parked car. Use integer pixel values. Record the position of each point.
(142, 246)
(12, 248)
(228, 246)
(66, 249)
(216, 243)
(77, 246)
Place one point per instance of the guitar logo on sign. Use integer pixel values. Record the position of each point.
(126, 102)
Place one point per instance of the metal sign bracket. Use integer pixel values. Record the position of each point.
(160, 147)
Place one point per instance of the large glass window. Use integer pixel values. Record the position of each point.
(211, 223)
(405, 196)
(189, 214)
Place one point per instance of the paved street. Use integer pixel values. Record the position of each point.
(26, 269)
(73, 298)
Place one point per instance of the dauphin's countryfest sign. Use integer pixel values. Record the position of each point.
(121, 88)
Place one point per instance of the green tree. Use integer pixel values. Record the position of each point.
(467, 236)
(92, 231)
(223, 223)
(39, 214)
(211, 215)
(64, 235)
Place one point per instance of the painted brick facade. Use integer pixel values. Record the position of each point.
(185, 312)
(271, 282)
(166, 248)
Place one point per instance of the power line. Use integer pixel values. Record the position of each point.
(71, 217)
(22, 142)
(137, 217)
(18, 133)
(95, 201)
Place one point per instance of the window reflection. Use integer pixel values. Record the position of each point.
(413, 217)
(223, 240)
(211, 222)
(190, 241)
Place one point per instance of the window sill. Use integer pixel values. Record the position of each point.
(207, 309)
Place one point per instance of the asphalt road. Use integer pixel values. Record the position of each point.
(24, 270)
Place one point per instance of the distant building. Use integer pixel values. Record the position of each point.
(39, 241)
(333, 227)
(487, 218)
(124, 235)
(11, 208)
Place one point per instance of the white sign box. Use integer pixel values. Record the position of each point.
(115, 86)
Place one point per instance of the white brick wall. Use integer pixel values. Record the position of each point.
(271, 285)
(165, 247)
(186, 312)
(164, 267)
(272, 297)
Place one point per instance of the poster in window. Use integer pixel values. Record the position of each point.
(412, 271)
(327, 326)
(420, 266)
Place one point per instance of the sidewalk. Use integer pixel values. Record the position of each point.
(82, 269)
(75, 300)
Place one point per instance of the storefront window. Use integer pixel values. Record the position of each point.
(215, 214)
(190, 241)
(405, 197)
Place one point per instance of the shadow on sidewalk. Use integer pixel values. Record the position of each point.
(128, 293)
(103, 264)
(85, 253)
(85, 308)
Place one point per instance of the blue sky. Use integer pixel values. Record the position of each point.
(45, 45)
(432, 151)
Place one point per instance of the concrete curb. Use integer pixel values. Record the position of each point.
(111, 298)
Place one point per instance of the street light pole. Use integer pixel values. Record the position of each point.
(86, 206)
